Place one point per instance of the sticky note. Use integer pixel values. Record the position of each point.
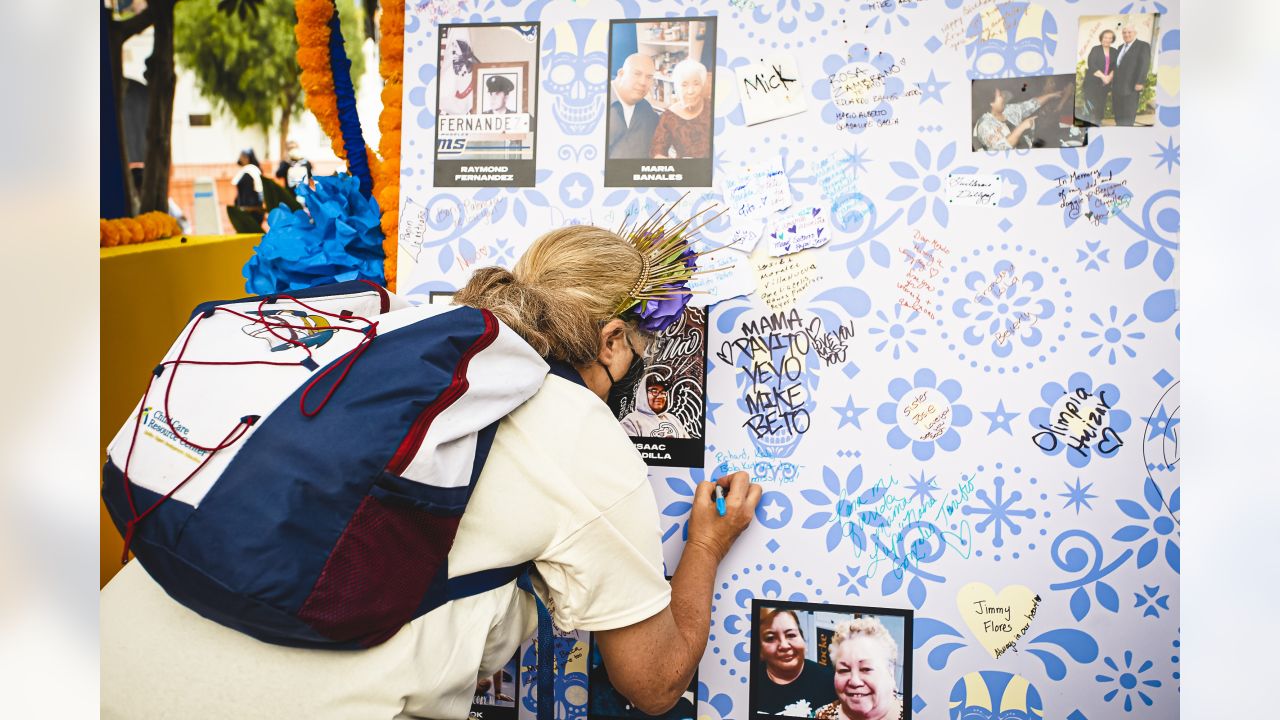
(771, 88)
(799, 229)
(974, 190)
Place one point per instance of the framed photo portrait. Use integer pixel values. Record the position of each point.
(501, 88)
(829, 661)
(1022, 113)
(485, 131)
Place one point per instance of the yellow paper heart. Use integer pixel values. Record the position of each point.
(997, 621)
(1169, 79)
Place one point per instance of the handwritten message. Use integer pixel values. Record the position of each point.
(753, 195)
(763, 470)
(781, 280)
(906, 531)
(919, 287)
(721, 275)
(771, 89)
(839, 182)
(799, 229)
(994, 20)
(1078, 421)
(974, 190)
(853, 85)
(997, 621)
(1092, 192)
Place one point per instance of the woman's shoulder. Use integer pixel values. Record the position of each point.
(830, 711)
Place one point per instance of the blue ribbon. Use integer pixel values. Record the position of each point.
(348, 119)
(545, 652)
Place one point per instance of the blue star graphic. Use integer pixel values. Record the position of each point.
(1161, 424)
(931, 89)
(711, 410)
(849, 414)
(999, 512)
(922, 488)
(1170, 155)
(1000, 418)
(1078, 496)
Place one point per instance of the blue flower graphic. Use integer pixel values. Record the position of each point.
(1128, 681)
(1168, 155)
(895, 334)
(1144, 6)
(930, 182)
(891, 14)
(924, 413)
(847, 511)
(1092, 255)
(678, 509)
(787, 13)
(1111, 335)
(1075, 179)
(517, 197)
(1078, 496)
(1152, 600)
(1154, 526)
(720, 702)
(1003, 308)
(999, 512)
(858, 66)
(1061, 425)
(853, 580)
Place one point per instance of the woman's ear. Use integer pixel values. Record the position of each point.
(613, 338)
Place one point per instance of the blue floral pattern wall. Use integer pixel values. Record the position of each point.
(1018, 426)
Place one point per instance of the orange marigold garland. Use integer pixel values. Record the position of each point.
(144, 228)
(312, 32)
(386, 173)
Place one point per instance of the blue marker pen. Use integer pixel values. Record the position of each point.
(720, 499)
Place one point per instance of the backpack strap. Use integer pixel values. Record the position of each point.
(485, 580)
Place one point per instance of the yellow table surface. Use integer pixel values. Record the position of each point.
(148, 291)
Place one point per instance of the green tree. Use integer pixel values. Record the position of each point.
(247, 64)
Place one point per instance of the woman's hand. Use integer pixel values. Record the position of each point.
(1106, 79)
(714, 533)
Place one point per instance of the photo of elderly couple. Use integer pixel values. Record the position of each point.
(1116, 70)
(831, 662)
(660, 102)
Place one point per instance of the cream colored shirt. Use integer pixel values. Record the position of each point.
(562, 486)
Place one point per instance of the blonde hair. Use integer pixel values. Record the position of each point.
(867, 627)
(567, 285)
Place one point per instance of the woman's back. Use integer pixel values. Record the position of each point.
(562, 485)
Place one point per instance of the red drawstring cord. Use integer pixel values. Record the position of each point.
(243, 427)
(347, 361)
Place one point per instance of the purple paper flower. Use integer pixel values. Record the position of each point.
(657, 315)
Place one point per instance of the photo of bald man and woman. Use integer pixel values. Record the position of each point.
(660, 118)
(1116, 70)
(830, 662)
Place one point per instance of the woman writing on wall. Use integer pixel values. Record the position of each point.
(1099, 70)
(562, 487)
(790, 684)
(684, 130)
(864, 655)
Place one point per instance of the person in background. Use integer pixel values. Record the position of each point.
(684, 130)
(294, 169)
(1099, 71)
(248, 184)
(789, 683)
(1006, 124)
(632, 120)
(1133, 62)
(865, 655)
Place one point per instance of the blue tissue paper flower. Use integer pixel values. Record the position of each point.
(336, 239)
